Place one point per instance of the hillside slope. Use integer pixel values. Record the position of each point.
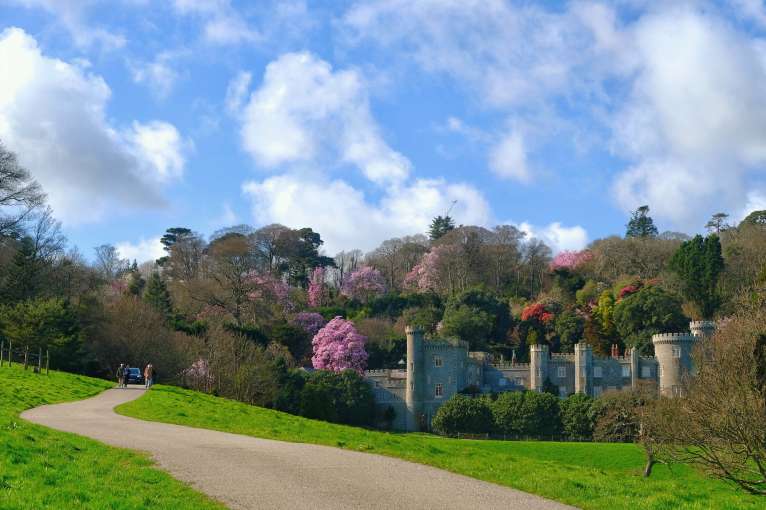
(42, 468)
(588, 475)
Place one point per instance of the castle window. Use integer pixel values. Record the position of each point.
(646, 372)
(439, 390)
(437, 361)
(597, 372)
(625, 371)
(676, 351)
(562, 372)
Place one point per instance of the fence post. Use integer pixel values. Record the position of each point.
(47, 361)
(2, 348)
(40, 361)
(26, 357)
(10, 353)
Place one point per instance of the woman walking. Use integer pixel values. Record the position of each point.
(149, 375)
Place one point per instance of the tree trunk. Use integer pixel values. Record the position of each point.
(649, 465)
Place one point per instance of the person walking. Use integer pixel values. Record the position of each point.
(126, 379)
(120, 375)
(149, 375)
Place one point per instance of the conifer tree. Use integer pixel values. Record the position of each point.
(641, 224)
(699, 264)
(157, 296)
(440, 226)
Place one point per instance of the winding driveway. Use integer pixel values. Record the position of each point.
(246, 472)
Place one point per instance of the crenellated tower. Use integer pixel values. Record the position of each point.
(413, 394)
(674, 354)
(583, 368)
(538, 366)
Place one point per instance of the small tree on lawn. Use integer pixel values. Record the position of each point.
(338, 346)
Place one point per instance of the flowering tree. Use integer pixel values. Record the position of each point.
(311, 322)
(266, 286)
(570, 259)
(198, 375)
(364, 284)
(317, 290)
(538, 312)
(424, 275)
(338, 346)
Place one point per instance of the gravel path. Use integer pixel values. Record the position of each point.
(245, 472)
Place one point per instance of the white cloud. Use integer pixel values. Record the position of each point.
(508, 159)
(158, 74)
(695, 118)
(304, 111)
(52, 114)
(71, 16)
(345, 217)
(160, 144)
(557, 236)
(236, 91)
(141, 251)
(223, 24)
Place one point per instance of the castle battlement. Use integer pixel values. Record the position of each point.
(673, 338)
(441, 345)
(701, 324)
(559, 356)
(509, 365)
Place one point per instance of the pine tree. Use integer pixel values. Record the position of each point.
(641, 224)
(440, 226)
(157, 296)
(136, 283)
(717, 223)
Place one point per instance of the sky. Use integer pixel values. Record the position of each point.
(364, 119)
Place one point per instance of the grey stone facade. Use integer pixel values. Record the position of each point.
(437, 369)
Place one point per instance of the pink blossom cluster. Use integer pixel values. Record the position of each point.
(266, 286)
(424, 276)
(570, 259)
(311, 322)
(199, 372)
(317, 289)
(628, 290)
(364, 284)
(338, 346)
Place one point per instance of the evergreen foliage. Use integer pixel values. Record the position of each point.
(641, 224)
(157, 296)
(463, 414)
(699, 264)
(649, 311)
(440, 226)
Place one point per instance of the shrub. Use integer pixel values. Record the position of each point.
(577, 416)
(616, 418)
(340, 397)
(463, 414)
(527, 413)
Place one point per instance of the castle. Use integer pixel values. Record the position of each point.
(437, 369)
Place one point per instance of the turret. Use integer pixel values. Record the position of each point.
(583, 368)
(702, 329)
(538, 366)
(413, 395)
(673, 352)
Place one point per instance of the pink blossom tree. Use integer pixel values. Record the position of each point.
(424, 276)
(264, 286)
(364, 284)
(570, 259)
(317, 288)
(338, 346)
(311, 322)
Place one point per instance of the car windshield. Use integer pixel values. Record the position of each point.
(135, 371)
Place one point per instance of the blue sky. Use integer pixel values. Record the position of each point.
(364, 119)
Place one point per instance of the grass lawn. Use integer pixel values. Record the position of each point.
(41, 468)
(587, 475)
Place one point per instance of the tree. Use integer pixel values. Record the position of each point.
(311, 322)
(338, 346)
(364, 284)
(699, 264)
(755, 218)
(577, 416)
(641, 224)
(649, 311)
(184, 253)
(158, 297)
(569, 326)
(468, 324)
(527, 413)
(342, 397)
(109, 263)
(717, 223)
(20, 195)
(136, 283)
(462, 414)
(440, 226)
(317, 287)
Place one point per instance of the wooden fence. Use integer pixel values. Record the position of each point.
(38, 361)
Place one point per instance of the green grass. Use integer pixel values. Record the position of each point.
(587, 475)
(41, 468)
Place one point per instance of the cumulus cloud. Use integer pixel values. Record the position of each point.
(161, 145)
(348, 219)
(557, 236)
(52, 114)
(158, 74)
(141, 251)
(306, 111)
(236, 91)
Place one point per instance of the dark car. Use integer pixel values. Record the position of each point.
(135, 376)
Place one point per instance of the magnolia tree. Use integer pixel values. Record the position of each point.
(364, 284)
(338, 346)
(424, 276)
(311, 322)
(570, 259)
(317, 292)
(264, 286)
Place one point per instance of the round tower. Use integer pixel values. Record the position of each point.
(702, 329)
(538, 366)
(413, 398)
(583, 368)
(673, 352)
